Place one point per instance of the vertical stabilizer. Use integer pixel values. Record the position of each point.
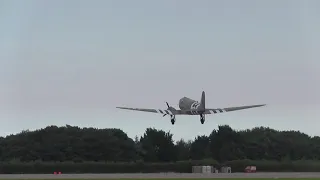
(203, 101)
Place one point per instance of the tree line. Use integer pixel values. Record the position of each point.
(71, 144)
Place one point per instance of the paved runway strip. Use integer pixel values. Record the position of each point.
(162, 175)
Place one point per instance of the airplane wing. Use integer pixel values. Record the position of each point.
(228, 109)
(191, 112)
(161, 111)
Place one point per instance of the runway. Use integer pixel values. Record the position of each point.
(162, 175)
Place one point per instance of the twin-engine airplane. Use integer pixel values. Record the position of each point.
(191, 107)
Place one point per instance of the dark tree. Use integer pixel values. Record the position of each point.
(71, 143)
(158, 146)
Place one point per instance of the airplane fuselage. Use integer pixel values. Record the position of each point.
(186, 103)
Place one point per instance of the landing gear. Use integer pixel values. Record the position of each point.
(173, 120)
(170, 109)
(202, 119)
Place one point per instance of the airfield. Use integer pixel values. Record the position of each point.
(271, 175)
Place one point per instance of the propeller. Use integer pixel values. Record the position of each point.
(168, 108)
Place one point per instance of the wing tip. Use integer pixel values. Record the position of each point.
(120, 107)
(259, 105)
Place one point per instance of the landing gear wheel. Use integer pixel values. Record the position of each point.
(202, 121)
(173, 119)
(202, 118)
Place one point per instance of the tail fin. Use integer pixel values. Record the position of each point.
(203, 101)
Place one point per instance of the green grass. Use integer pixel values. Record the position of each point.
(208, 179)
(216, 178)
(183, 179)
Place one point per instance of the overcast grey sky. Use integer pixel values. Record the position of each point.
(72, 62)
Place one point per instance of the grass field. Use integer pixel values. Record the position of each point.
(188, 179)
(181, 179)
(218, 179)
